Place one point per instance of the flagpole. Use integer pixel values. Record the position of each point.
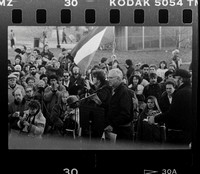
(114, 46)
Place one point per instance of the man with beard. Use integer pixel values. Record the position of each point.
(76, 82)
(145, 71)
(33, 73)
(12, 85)
(17, 107)
(120, 114)
(179, 118)
(153, 88)
(32, 122)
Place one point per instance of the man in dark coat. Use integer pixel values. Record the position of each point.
(121, 106)
(179, 118)
(51, 97)
(130, 68)
(96, 107)
(153, 88)
(167, 95)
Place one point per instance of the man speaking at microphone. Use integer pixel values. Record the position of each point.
(98, 102)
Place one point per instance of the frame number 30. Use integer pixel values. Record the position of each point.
(70, 171)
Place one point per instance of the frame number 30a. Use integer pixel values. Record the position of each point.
(169, 171)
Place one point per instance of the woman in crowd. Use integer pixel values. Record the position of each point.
(135, 85)
(162, 69)
(58, 114)
(18, 61)
(149, 132)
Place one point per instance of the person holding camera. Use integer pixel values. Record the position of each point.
(32, 122)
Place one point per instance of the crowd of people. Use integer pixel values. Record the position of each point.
(48, 96)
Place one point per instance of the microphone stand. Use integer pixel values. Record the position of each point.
(77, 104)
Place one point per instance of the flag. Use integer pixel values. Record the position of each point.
(85, 49)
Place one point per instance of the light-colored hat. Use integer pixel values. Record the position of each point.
(12, 76)
(16, 73)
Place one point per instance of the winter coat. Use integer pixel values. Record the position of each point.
(120, 107)
(51, 98)
(37, 124)
(180, 114)
(153, 90)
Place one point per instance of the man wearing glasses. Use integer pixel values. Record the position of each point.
(120, 108)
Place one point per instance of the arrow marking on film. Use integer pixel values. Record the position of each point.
(150, 171)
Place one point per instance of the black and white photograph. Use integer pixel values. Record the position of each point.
(100, 87)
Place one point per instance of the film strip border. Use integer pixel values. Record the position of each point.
(99, 12)
(114, 16)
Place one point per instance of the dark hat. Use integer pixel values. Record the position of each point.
(182, 73)
(72, 101)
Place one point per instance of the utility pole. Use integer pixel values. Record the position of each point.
(58, 40)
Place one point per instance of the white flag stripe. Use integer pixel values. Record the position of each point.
(89, 47)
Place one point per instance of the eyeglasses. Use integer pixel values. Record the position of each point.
(29, 91)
